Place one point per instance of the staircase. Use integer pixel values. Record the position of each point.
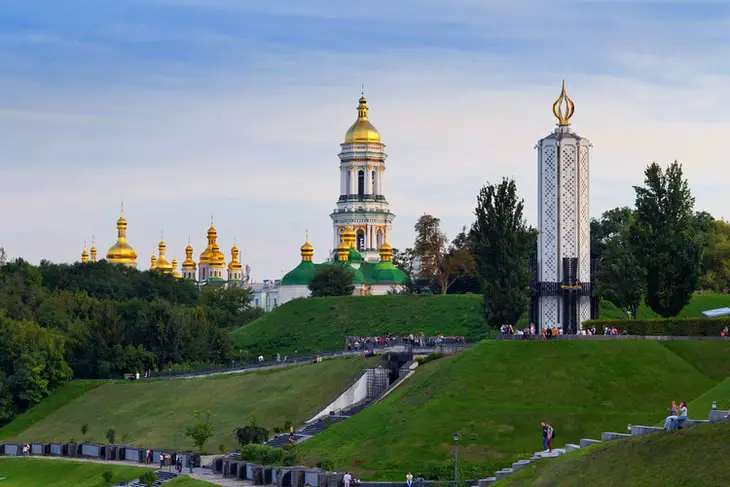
(633, 430)
(163, 476)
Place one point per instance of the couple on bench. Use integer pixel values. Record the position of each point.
(677, 415)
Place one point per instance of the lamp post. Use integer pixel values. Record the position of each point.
(456, 457)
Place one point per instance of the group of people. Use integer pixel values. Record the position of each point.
(417, 339)
(167, 460)
(348, 479)
(677, 414)
(531, 330)
(548, 433)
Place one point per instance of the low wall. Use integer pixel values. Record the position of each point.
(606, 337)
(355, 393)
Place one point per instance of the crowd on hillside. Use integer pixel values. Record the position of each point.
(547, 333)
(388, 340)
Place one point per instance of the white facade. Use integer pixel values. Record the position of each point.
(266, 295)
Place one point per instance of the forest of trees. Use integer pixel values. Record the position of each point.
(99, 320)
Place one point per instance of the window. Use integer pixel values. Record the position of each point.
(360, 240)
(372, 180)
(349, 182)
(360, 184)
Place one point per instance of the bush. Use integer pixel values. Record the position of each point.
(107, 476)
(325, 464)
(148, 478)
(428, 358)
(265, 454)
(111, 435)
(664, 326)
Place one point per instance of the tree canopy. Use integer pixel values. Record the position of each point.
(332, 280)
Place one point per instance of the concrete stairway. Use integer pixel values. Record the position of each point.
(633, 430)
(163, 477)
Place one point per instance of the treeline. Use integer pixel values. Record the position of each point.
(99, 320)
(660, 251)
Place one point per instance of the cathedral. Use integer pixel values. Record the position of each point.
(210, 269)
(361, 223)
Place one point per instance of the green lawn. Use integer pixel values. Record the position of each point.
(65, 394)
(186, 481)
(321, 324)
(39, 472)
(496, 394)
(693, 457)
(155, 413)
(702, 404)
(700, 302)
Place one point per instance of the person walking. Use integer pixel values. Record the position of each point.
(409, 479)
(544, 436)
(347, 479)
(550, 436)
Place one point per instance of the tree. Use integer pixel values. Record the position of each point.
(3, 257)
(111, 435)
(716, 256)
(201, 431)
(502, 248)
(430, 245)
(251, 433)
(467, 280)
(229, 307)
(332, 280)
(619, 276)
(612, 222)
(664, 239)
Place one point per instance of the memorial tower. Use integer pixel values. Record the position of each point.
(563, 294)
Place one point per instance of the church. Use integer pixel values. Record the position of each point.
(361, 223)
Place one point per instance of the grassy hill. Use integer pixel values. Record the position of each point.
(700, 302)
(321, 324)
(155, 413)
(29, 472)
(694, 457)
(496, 394)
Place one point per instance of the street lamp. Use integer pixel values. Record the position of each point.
(456, 457)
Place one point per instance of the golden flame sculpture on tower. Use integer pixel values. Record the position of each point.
(563, 108)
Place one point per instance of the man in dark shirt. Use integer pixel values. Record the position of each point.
(544, 436)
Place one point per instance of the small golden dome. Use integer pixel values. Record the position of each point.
(362, 130)
(153, 261)
(348, 236)
(217, 259)
(306, 250)
(235, 265)
(121, 252)
(343, 252)
(93, 251)
(189, 264)
(175, 272)
(386, 252)
(162, 264)
(84, 255)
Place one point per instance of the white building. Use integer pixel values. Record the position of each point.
(562, 290)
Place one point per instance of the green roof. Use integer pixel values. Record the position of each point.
(388, 273)
(354, 256)
(300, 275)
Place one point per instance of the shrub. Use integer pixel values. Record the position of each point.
(107, 476)
(111, 435)
(325, 463)
(263, 454)
(148, 478)
(664, 326)
(428, 358)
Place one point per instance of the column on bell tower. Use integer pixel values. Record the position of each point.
(562, 294)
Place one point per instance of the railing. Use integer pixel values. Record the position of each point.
(502, 336)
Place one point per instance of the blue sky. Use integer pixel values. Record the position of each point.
(235, 108)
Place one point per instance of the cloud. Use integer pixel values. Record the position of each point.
(255, 142)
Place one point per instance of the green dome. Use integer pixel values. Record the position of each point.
(354, 256)
(300, 275)
(387, 273)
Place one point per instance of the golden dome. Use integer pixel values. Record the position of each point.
(84, 255)
(189, 264)
(153, 260)
(207, 254)
(93, 250)
(362, 130)
(563, 108)
(121, 252)
(235, 265)
(175, 272)
(217, 259)
(348, 236)
(386, 252)
(306, 250)
(162, 264)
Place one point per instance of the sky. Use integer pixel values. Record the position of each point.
(184, 109)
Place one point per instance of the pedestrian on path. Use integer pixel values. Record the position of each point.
(544, 436)
(409, 479)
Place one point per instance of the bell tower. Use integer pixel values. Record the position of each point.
(563, 292)
(362, 204)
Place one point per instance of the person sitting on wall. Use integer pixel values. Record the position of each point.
(682, 414)
(672, 418)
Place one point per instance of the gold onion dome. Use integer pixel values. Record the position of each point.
(386, 252)
(235, 265)
(362, 130)
(121, 252)
(343, 249)
(189, 264)
(153, 260)
(207, 255)
(307, 251)
(217, 259)
(162, 263)
(563, 108)
(84, 255)
(93, 251)
(175, 272)
(348, 236)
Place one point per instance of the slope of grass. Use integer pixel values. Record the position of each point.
(321, 324)
(185, 481)
(700, 302)
(702, 404)
(65, 394)
(36, 472)
(156, 413)
(497, 394)
(692, 457)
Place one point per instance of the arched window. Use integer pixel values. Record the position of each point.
(360, 184)
(360, 240)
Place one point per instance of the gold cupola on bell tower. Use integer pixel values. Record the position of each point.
(121, 252)
(162, 264)
(362, 130)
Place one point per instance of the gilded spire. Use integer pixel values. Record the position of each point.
(84, 254)
(162, 264)
(189, 264)
(175, 272)
(93, 248)
(343, 249)
(307, 251)
(362, 130)
(153, 260)
(235, 265)
(121, 252)
(563, 108)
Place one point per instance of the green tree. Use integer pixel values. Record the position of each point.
(467, 281)
(201, 431)
(430, 246)
(664, 239)
(619, 276)
(229, 307)
(332, 280)
(502, 247)
(111, 435)
(716, 257)
(612, 222)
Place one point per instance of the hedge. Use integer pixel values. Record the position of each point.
(664, 326)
